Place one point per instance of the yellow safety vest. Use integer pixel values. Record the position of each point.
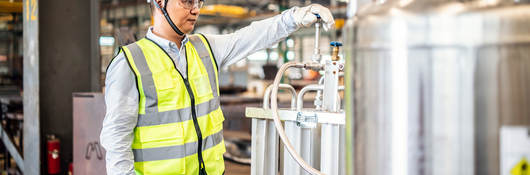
(180, 122)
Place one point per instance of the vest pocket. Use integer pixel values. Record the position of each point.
(170, 91)
(169, 167)
(163, 149)
(163, 80)
(201, 85)
(216, 119)
(160, 135)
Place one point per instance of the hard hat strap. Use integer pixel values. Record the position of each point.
(164, 11)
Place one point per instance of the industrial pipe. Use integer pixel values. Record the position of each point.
(283, 86)
(278, 124)
(300, 100)
(318, 97)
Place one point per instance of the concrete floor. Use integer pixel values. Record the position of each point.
(232, 168)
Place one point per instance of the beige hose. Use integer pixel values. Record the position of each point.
(278, 123)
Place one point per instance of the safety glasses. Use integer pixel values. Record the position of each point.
(191, 4)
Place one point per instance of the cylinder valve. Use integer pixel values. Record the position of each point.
(335, 54)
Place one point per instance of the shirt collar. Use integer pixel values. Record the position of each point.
(164, 43)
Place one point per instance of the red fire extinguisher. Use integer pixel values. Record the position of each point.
(70, 169)
(54, 161)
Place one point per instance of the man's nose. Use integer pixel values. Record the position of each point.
(195, 10)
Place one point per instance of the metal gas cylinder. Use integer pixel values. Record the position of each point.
(430, 84)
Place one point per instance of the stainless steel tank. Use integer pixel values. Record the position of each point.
(431, 83)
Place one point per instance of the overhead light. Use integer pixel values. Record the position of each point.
(106, 41)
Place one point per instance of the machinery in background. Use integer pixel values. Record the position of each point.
(11, 69)
(431, 83)
(313, 138)
(233, 80)
(11, 119)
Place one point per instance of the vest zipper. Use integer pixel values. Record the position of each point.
(202, 170)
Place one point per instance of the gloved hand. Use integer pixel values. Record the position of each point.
(306, 16)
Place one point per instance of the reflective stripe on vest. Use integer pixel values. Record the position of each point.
(165, 137)
(177, 151)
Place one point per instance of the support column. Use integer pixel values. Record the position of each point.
(31, 98)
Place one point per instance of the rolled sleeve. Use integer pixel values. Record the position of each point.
(230, 48)
(121, 99)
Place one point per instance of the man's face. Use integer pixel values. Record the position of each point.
(182, 14)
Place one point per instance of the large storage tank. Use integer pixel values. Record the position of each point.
(432, 82)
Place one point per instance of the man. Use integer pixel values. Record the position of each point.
(162, 96)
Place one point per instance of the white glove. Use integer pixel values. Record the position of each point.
(306, 16)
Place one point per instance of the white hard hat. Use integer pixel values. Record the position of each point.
(148, 1)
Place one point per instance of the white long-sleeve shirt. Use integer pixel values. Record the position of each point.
(121, 96)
